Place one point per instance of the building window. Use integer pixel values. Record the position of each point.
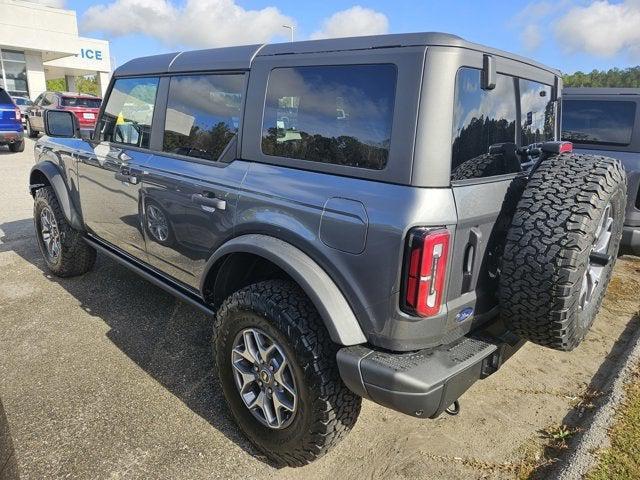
(339, 114)
(13, 70)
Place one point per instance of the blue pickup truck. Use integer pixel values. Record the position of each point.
(606, 121)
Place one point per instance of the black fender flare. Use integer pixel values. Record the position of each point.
(331, 304)
(56, 180)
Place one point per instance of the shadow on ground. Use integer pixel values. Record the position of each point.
(167, 338)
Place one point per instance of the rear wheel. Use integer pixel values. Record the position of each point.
(277, 367)
(64, 250)
(17, 147)
(31, 133)
(561, 248)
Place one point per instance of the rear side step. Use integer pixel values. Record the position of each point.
(425, 383)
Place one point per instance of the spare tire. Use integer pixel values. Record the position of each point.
(561, 248)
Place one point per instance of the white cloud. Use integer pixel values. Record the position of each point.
(352, 22)
(50, 3)
(196, 23)
(602, 28)
(531, 37)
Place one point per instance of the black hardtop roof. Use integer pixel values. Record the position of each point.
(600, 91)
(240, 58)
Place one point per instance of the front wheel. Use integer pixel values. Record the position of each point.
(277, 368)
(64, 250)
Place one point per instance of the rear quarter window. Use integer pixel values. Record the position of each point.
(606, 122)
(339, 114)
(81, 102)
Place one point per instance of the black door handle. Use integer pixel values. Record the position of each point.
(126, 177)
(206, 201)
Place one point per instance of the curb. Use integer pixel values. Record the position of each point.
(596, 436)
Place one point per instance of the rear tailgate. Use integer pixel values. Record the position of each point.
(86, 116)
(8, 119)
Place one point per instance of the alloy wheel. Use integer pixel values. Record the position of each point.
(264, 378)
(50, 233)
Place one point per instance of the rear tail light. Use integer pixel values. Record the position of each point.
(425, 271)
(18, 114)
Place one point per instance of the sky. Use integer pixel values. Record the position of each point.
(567, 34)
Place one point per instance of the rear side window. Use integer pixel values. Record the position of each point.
(129, 110)
(203, 114)
(4, 97)
(81, 102)
(482, 118)
(598, 121)
(331, 114)
(538, 112)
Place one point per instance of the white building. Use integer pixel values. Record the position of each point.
(39, 43)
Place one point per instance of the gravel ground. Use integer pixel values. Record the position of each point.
(106, 376)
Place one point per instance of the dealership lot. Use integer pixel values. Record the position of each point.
(107, 376)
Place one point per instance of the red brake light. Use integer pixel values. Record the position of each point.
(18, 114)
(566, 147)
(425, 271)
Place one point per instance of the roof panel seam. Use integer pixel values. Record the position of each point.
(173, 60)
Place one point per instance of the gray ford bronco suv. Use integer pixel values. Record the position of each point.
(606, 121)
(386, 217)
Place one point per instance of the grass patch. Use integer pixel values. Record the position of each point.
(622, 459)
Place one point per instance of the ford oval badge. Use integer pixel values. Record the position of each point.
(464, 314)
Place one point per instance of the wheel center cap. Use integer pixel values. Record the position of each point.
(265, 376)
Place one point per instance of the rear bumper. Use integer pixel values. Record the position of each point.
(424, 383)
(11, 136)
(630, 240)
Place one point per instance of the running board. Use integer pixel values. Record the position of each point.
(150, 275)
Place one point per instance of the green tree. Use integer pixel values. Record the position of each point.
(614, 77)
(57, 85)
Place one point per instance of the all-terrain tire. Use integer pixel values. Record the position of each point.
(75, 256)
(485, 165)
(327, 408)
(549, 245)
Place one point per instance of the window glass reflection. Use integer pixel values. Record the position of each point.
(598, 121)
(203, 114)
(482, 118)
(331, 114)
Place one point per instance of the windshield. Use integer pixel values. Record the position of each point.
(81, 102)
(22, 101)
(608, 122)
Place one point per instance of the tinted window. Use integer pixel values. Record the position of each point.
(482, 118)
(4, 97)
(81, 102)
(127, 116)
(598, 121)
(538, 112)
(203, 114)
(331, 114)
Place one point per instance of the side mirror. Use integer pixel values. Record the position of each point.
(61, 123)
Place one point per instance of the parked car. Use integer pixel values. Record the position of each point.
(383, 217)
(11, 131)
(606, 121)
(23, 103)
(84, 107)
